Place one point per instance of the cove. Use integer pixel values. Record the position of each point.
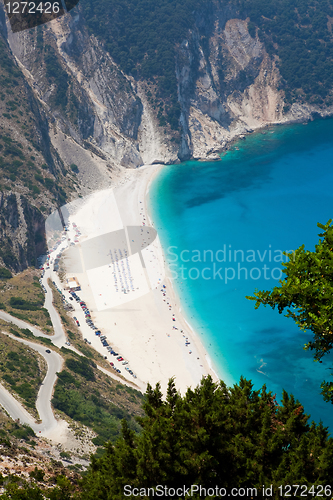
(224, 226)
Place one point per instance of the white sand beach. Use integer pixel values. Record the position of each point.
(119, 263)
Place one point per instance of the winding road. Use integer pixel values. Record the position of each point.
(49, 427)
(16, 410)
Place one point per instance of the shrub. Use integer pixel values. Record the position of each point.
(5, 274)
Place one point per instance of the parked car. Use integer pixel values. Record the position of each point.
(48, 351)
(78, 324)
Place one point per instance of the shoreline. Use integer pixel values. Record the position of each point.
(144, 324)
(176, 297)
(215, 153)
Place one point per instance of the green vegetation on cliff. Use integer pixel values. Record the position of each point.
(22, 296)
(141, 36)
(299, 33)
(88, 396)
(22, 369)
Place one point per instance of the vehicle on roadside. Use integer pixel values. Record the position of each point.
(118, 370)
(78, 324)
(48, 351)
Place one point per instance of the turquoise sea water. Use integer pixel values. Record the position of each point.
(264, 197)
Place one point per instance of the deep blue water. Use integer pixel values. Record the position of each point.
(266, 194)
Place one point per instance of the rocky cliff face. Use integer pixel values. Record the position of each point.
(227, 86)
(33, 178)
(85, 110)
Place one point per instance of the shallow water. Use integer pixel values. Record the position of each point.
(264, 197)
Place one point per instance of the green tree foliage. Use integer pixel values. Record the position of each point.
(5, 274)
(25, 305)
(74, 168)
(299, 33)
(141, 37)
(91, 403)
(306, 293)
(214, 436)
(55, 73)
(82, 366)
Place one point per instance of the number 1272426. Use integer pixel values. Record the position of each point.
(33, 7)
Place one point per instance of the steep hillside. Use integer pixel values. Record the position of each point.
(32, 176)
(160, 81)
(118, 84)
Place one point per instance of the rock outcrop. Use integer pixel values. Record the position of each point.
(87, 111)
(227, 86)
